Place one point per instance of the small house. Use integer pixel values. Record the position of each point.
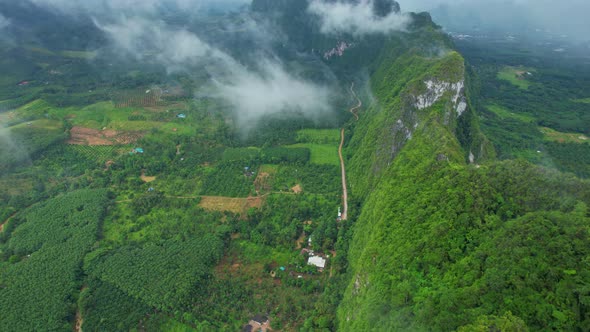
(181, 116)
(138, 150)
(317, 261)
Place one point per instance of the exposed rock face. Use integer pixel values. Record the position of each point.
(436, 89)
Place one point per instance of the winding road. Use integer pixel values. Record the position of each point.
(353, 110)
(358, 106)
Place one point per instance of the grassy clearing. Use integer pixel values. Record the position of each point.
(265, 178)
(516, 76)
(318, 136)
(506, 114)
(582, 101)
(40, 124)
(163, 323)
(270, 169)
(35, 108)
(105, 115)
(178, 128)
(322, 154)
(39, 50)
(556, 136)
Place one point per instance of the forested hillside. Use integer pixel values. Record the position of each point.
(446, 237)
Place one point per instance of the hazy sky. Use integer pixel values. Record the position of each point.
(561, 17)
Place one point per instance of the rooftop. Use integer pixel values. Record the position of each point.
(317, 261)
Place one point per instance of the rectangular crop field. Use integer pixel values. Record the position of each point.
(231, 204)
(506, 114)
(323, 154)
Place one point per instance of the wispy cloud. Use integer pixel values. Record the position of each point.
(356, 18)
(152, 40)
(272, 89)
(262, 89)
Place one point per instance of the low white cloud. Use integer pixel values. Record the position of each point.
(271, 90)
(152, 40)
(4, 22)
(264, 89)
(356, 18)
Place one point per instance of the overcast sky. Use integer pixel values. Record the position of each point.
(568, 17)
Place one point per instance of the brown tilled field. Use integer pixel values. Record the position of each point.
(89, 136)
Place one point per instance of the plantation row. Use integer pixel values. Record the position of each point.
(47, 244)
(150, 99)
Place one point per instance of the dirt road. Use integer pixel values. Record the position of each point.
(344, 188)
(358, 106)
(354, 111)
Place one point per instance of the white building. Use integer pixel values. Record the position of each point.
(316, 261)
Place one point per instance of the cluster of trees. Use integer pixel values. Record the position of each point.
(230, 179)
(282, 220)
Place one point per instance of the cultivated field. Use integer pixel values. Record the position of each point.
(318, 136)
(235, 205)
(504, 113)
(557, 136)
(323, 154)
(88, 136)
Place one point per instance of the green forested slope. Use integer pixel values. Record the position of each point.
(442, 242)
